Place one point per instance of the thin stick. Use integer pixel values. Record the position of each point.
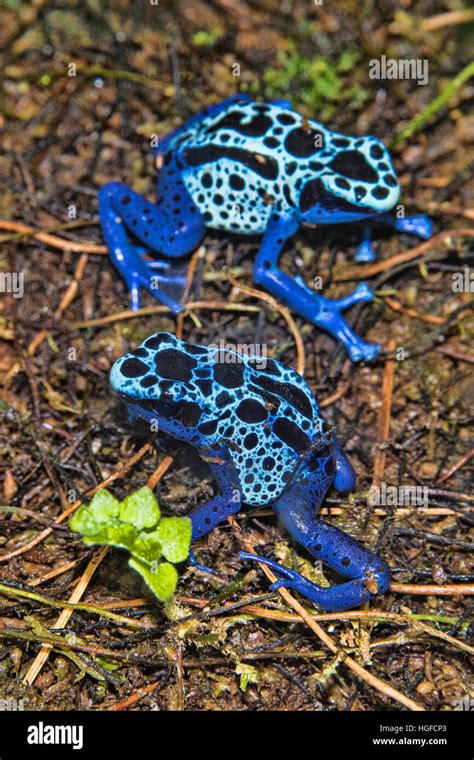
(456, 466)
(397, 306)
(156, 476)
(401, 258)
(195, 259)
(114, 476)
(385, 414)
(64, 304)
(335, 397)
(432, 108)
(52, 240)
(451, 589)
(124, 704)
(54, 573)
(453, 354)
(284, 312)
(147, 310)
(65, 615)
(450, 18)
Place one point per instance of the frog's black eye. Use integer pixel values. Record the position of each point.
(314, 193)
(354, 165)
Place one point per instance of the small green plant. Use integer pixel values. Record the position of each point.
(206, 37)
(135, 524)
(320, 82)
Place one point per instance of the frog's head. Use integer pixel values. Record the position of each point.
(357, 182)
(162, 378)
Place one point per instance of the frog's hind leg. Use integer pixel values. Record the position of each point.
(173, 228)
(369, 574)
(420, 225)
(315, 308)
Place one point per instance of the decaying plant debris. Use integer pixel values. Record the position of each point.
(84, 86)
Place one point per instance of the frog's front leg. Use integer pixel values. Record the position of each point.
(215, 511)
(369, 574)
(420, 225)
(315, 308)
(173, 233)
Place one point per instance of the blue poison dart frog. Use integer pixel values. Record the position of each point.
(254, 168)
(260, 430)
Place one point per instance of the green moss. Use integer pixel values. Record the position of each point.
(321, 82)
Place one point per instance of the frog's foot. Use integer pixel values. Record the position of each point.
(317, 309)
(330, 317)
(365, 252)
(169, 279)
(144, 276)
(420, 225)
(287, 578)
(331, 599)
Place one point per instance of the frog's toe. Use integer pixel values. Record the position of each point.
(194, 562)
(165, 281)
(422, 226)
(287, 578)
(362, 351)
(157, 285)
(365, 252)
(285, 574)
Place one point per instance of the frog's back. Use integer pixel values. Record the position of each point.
(247, 160)
(272, 423)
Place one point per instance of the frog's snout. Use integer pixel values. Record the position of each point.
(116, 377)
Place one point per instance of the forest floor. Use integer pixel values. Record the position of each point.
(84, 87)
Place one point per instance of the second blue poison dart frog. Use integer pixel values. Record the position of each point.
(259, 428)
(254, 168)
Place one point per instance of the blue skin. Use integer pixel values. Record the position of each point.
(254, 168)
(263, 436)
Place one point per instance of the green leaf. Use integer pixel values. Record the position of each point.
(122, 536)
(134, 524)
(89, 519)
(174, 534)
(147, 547)
(140, 509)
(161, 581)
